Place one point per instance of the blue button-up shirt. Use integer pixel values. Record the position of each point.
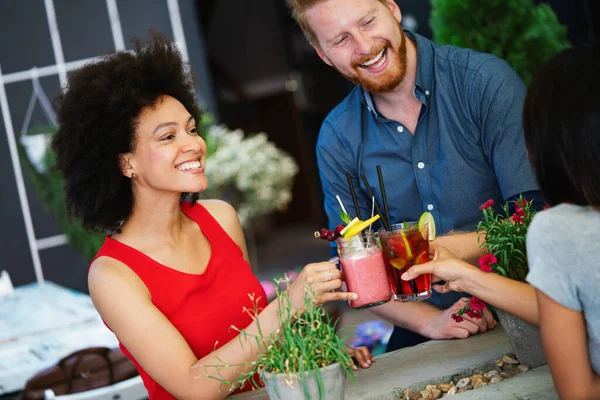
(467, 147)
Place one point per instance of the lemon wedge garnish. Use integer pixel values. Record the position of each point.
(409, 253)
(358, 227)
(350, 225)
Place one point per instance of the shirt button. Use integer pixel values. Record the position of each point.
(427, 92)
(400, 128)
(430, 207)
(421, 165)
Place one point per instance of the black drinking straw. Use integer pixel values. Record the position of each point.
(377, 209)
(353, 193)
(385, 203)
(386, 217)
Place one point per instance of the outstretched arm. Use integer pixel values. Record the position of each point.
(431, 322)
(514, 297)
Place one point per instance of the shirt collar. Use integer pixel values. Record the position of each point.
(424, 79)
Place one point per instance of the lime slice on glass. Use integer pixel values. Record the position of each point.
(427, 219)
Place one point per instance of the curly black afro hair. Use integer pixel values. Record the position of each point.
(97, 117)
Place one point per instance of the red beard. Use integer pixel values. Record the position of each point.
(385, 81)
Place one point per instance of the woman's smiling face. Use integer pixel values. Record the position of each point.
(169, 153)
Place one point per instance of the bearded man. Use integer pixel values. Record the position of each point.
(444, 123)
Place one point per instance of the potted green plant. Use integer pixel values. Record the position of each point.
(305, 358)
(503, 237)
(520, 32)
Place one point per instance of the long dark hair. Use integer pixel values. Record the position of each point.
(561, 120)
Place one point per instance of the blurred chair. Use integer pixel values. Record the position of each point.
(130, 389)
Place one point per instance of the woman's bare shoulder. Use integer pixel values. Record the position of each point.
(222, 211)
(109, 275)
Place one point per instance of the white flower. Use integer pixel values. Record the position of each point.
(249, 172)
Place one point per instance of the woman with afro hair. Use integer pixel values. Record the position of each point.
(172, 276)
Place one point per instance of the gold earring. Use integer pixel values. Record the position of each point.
(134, 175)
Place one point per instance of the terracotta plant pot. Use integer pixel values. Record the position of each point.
(524, 338)
(292, 387)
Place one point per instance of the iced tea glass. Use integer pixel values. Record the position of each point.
(364, 270)
(404, 246)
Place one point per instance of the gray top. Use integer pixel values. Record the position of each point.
(562, 247)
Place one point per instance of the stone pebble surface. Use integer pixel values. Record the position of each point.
(503, 368)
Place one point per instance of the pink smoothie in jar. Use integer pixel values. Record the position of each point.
(365, 274)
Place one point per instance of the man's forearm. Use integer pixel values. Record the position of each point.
(463, 245)
(412, 316)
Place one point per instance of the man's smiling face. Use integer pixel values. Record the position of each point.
(362, 39)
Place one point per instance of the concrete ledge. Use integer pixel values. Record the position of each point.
(431, 362)
(436, 361)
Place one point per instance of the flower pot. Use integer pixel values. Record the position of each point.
(292, 387)
(35, 147)
(524, 338)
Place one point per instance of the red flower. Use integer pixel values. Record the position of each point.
(473, 314)
(486, 261)
(457, 318)
(487, 204)
(476, 304)
(521, 203)
(517, 219)
(519, 210)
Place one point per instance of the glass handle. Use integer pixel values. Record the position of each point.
(336, 261)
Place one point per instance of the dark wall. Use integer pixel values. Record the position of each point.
(25, 43)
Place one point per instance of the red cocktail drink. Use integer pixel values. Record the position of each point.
(404, 246)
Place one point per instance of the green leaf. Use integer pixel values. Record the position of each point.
(500, 270)
(344, 217)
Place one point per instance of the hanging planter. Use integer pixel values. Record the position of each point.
(36, 140)
(35, 146)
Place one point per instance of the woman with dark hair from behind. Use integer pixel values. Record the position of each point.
(172, 276)
(561, 120)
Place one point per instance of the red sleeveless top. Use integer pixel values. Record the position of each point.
(201, 307)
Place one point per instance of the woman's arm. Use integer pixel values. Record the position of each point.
(566, 346)
(514, 297)
(126, 306)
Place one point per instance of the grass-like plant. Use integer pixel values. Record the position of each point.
(304, 343)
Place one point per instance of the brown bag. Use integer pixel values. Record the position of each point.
(83, 370)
